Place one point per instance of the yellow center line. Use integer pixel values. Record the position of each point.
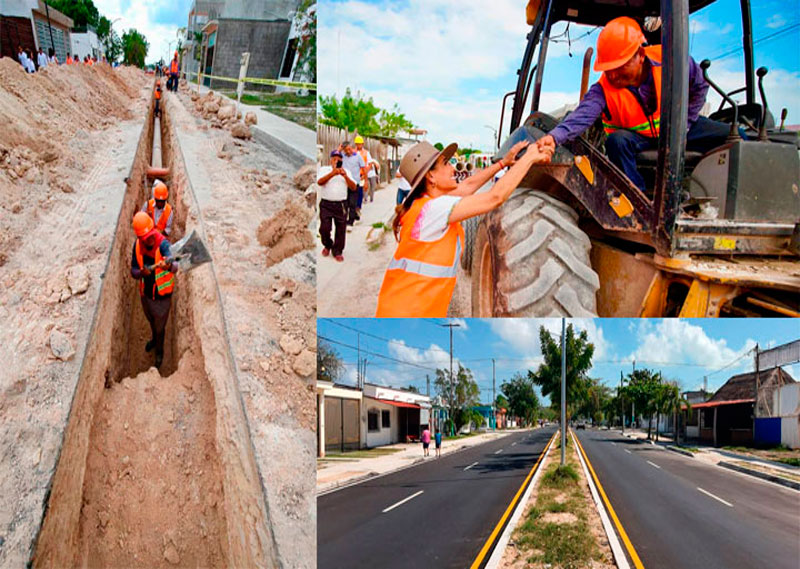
(486, 546)
(628, 545)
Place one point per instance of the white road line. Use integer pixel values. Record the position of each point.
(498, 451)
(513, 444)
(613, 443)
(403, 501)
(471, 465)
(707, 493)
(626, 450)
(653, 464)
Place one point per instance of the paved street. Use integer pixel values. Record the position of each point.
(435, 515)
(679, 512)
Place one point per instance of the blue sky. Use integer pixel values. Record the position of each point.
(683, 350)
(448, 63)
(157, 20)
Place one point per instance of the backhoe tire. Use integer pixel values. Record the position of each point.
(470, 226)
(530, 259)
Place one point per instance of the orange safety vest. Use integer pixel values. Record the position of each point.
(165, 280)
(421, 276)
(173, 66)
(365, 170)
(158, 93)
(623, 107)
(162, 221)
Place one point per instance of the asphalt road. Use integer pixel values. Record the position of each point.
(680, 512)
(435, 515)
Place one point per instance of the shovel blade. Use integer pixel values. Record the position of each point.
(190, 252)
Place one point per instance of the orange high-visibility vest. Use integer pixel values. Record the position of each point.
(625, 110)
(421, 276)
(173, 66)
(165, 280)
(365, 170)
(69, 60)
(161, 225)
(158, 93)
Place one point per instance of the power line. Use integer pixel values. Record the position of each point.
(377, 355)
(399, 342)
(774, 35)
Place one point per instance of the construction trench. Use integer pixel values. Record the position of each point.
(156, 467)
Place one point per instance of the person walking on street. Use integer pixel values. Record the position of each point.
(438, 438)
(369, 174)
(335, 182)
(41, 59)
(403, 188)
(152, 267)
(421, 276)
(158, 209)
(354, 164)
(426, 442)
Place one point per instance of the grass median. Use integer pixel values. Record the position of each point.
(300, 109)
(561, 527)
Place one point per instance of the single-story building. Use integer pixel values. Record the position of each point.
(489, 419)
(33, 24)
(338, 418)
(393, 415)
(729, 417)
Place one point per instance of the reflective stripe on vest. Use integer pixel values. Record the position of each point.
(625, 111)
(421, 275)
(165, 280)
(161, 224)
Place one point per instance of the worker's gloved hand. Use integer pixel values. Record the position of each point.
(146, 271)
(546, 144)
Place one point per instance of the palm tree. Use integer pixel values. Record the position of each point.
(670, 401)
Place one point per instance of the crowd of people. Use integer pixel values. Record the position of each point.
(349, 181)
(42, 60)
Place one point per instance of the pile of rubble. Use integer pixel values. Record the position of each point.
(221, 112)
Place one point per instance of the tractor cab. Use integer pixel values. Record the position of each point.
(728, 216)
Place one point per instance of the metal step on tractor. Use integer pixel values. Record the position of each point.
(715, 234)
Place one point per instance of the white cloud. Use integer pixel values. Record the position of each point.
(776, 21)
(141, 16)
(522, 334)
(780, 86)
(434, 356)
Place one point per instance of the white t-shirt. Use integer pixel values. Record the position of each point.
(432, 222)
(371, 173)
(404, 185)
(335, 189)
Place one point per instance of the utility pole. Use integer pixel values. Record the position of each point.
(563, 390)
(494, 398)
(358, 351)
(621, 403)
(633, 403)
(427, 385)
(450, 390)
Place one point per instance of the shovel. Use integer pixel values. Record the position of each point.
(189, 252)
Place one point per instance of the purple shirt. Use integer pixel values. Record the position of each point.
(426, 436)
(594, 103)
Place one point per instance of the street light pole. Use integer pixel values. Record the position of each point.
(450, 390)
(494, 398)
(621, 402)
(563, 390)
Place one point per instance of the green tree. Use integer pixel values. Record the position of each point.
(82, 12)
(134, 48)
(465, 394)
(579, 360)
(501, 402)
(393, 121)
(669, 401)
(352, 113)
(522, 399)
(642, 390)
(595, 402)
(439, 146)
(329, 364)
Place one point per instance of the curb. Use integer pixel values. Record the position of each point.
(292, 155)
(416, 462)
(679, 450)
(613, 540)
(763, 475)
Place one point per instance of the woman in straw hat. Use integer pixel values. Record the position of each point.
(421, 276)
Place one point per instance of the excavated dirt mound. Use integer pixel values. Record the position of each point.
(286, 233)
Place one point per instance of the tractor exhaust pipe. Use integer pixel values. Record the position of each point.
(587, 62)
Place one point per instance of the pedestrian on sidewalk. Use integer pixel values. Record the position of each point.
(426, 442)
(41, 59)
(438, 438)
(369, 175)
(23, 59)
(335, 182)
(51, 57)
(152, 267)
(403, 188)
(158, 209)
(421, 276)
(354, 164)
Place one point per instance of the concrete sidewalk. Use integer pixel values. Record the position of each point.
(333, 472)
(277, 131)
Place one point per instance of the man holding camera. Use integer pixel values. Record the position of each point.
(334, 182)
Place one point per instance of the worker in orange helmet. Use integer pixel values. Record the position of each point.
(628, 97)
(158, 209)
(152, 267)
(157, 111)
(172, 83)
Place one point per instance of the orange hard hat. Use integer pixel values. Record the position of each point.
(617, 43)
(176, 54)
(142, 224)
(160, 191)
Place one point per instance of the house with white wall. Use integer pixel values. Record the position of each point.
(391, 416)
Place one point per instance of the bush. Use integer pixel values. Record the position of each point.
(561, 477)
